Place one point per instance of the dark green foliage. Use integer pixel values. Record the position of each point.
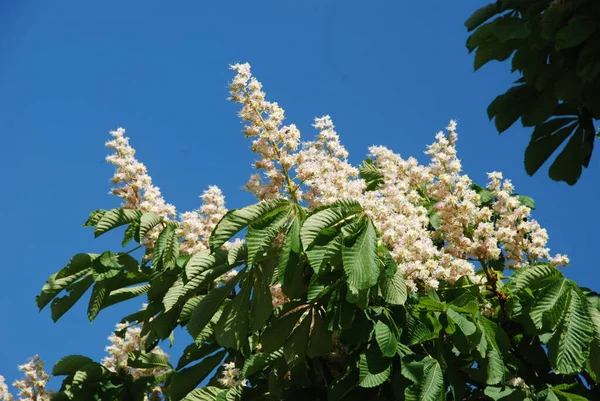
(555, 47)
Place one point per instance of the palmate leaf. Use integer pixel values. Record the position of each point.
(262, 301)
(166, 248)
(236, 220)
(360, 256)
(276, 335)
(289, 269)
(569, 347)
(569, 163)
(259, 362)
(79, 265)
(70, 364)
(386, 339)
(325, 218)
(115, 218)
(481, 15)
(75, 291)
(209, 393)
(148, 221)
(262, 232)
(207, 307)
(432, 386)
(147, 360)
(124, 294)
(184, 381)
(232, 329)
(549, 305)
(196, 351)
(544, 143)
(99, 293)
(534, 276)
(593, 364)
(374, 369)
(393, 289)
(320, 336)
(492, 339)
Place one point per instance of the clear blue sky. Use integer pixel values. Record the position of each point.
(388, 72)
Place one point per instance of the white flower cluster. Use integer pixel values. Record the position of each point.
(273, 142)
(196, 226)
(120, 347)
(118, 351)
(136, 187)
(278, 298)
(32, 387)
(403, 206)
(231, 376)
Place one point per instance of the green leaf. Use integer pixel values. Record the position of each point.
(359, 254)
(262, 301)
(94, 217)
(196, 351)
(61, 305)
(232, 329)
(93, 372)
(99, 293)
(543, 143)
(106, 266)
(259, 362)
(76, 268)
(526, 201)
(579, 28)
(115, 218)
(320, 336)
(374, 368)
(568, 164)
(432, 386)
(263, 232)
(147, 360)
(540, 110)
(466, 326)
(167, 246)
(482, 15)
(393, 289)
(489, 348)
(506, 394)
(70, 364)
(386, 339)
(491, 50)
(534, 276)
(236, 220)
(275, 336)
(199, 263)
(594, 359)
(148, 221)
(207, 307)
(294, 349)
(549, 305)
(370, 173)
(325, 218)
(187, 379)
(507, 108)
(204, 394)
(568, 349)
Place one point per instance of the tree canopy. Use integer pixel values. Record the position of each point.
(554, 45)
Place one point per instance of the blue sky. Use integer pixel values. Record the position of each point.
(388, 72)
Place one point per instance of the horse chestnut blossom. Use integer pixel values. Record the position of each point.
(196, 226)
(231, 376)
(405, 201)
(32, 387)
